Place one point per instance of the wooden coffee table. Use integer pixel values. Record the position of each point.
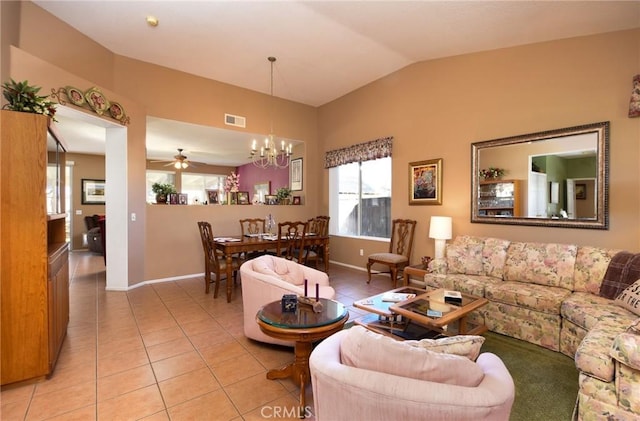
(424, 316)
(303, 327)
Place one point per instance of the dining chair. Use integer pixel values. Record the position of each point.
(314, 252)
(252, 227)
(399, 254)
(214, 261)
(290, 241)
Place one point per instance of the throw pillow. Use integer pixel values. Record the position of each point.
(464, 256)
(362, 348)
(463, 345)
(630, 298)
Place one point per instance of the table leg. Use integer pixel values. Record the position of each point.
(229, 276)
(298, 371)
(462, 325)
(326, 256)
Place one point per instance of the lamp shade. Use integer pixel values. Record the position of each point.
(440, 227)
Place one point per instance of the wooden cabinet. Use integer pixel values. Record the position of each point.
(499, 198)
(34, 259)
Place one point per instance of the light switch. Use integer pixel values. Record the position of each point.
(133, 217)
(78, 211)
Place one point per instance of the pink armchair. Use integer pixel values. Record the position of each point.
(343, 392)
(267, 278)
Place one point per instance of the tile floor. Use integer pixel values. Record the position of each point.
(165, 351)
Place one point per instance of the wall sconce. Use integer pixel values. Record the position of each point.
(440, 231)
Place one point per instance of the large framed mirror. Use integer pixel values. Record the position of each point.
(556, 178)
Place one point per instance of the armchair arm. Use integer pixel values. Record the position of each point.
(315, 276)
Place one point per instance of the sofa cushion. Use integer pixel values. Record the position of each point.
(362, 348)
(464, 255)
(585, 310)
(544, 299)
(494, 255)
(591, 265)
(463, 345)
(630, 298)
(541, 263)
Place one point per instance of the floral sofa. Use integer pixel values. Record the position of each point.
(548, 294)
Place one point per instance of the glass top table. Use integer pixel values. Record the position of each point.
(304, 317)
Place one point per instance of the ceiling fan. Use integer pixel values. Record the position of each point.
(180, 161)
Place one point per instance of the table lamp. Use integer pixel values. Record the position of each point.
(440, 231)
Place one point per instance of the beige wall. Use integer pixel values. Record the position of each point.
(436, 109)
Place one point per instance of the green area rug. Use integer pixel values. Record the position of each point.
(546, 381)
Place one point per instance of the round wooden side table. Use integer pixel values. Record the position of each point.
(302, 327)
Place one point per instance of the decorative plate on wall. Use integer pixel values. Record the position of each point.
(96, 101)
(75, 96)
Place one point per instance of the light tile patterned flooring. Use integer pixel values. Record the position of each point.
(165, 351)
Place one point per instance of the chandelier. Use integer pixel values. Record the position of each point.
(269, 154)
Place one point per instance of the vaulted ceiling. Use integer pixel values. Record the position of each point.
(325, 49)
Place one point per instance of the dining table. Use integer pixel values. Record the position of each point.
(236, 244)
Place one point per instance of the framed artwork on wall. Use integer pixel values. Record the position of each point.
(581, 191)
(212, 197)
(243, 197)
(92, 192)
(425, 182)
(296, 174)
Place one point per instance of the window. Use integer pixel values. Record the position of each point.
(360, 198)
(195, 185)
(162, 177)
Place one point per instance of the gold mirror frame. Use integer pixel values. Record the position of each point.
(601, 219)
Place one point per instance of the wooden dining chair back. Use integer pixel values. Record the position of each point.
(315, 251)
(326, 225)
(290, 241)
(400, 246)
(252, 226)
(214, 262)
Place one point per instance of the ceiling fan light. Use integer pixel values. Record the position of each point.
(184, 165)
(177, 165)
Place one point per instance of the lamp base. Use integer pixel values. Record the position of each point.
(440, 245)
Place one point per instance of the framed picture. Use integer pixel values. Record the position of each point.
(262, 189)
(243, 197)
(212, 197)
(271, 199)
(296, 200)
(295, 174)
(92, 192)
(581, 191)
(425, 182)
(182, 199)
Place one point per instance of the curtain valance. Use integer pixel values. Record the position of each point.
(374, 149)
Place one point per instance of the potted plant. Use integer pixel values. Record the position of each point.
(162, 191)
(283, 194)
(24, 98)
(492, 173)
